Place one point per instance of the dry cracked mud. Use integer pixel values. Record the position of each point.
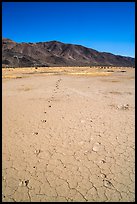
(68, 138)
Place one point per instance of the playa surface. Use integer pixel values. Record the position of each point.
(68, 135)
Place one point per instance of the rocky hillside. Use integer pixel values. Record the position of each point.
(55, 53)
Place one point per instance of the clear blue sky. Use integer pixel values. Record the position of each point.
(104, 26)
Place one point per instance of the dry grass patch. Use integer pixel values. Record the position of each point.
(27, 89)
(90, 73)
(114, 81)
(77, 71)
(11, 77)
(115, 92)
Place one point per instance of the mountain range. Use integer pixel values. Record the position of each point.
(55, 53)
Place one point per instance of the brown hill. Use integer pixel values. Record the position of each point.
(55, 53)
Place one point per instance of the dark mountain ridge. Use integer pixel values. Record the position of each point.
(55, 53)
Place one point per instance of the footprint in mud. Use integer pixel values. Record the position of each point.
(102, 161)
(123, 107)
(44, 121)
(35, 133)
(37, 152)
(108, 184)
(23, 183)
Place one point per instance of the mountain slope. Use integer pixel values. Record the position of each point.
(55, 53)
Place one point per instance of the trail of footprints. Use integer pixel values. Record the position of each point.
(37, 152)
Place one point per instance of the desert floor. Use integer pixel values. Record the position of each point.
(68, 134)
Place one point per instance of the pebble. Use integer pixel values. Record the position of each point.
(103, 175)
(96, 147)
(4, 178)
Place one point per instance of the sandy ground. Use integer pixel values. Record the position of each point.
(68, 137)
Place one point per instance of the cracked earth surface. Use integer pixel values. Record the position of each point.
(68, 138)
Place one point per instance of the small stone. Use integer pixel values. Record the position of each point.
(96, 147)
(85, 152)
(108, 184)
(118, 107)
(103, 175)
(22, 183)
(4, 178)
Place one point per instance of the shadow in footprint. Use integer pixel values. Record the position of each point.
(44, 121)
(35, 133)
